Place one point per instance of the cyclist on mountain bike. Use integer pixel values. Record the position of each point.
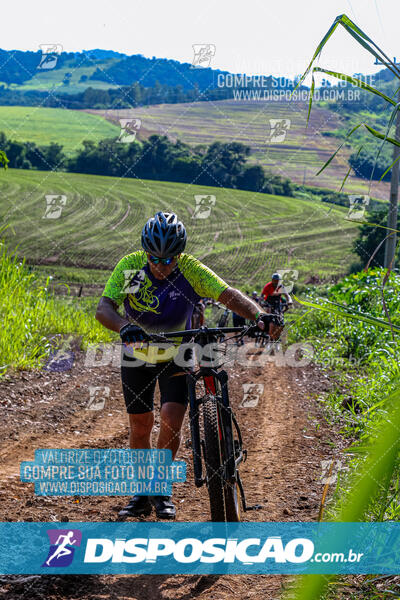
(273, 293)
(159, 287)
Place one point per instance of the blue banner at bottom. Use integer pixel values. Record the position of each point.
(199, 548)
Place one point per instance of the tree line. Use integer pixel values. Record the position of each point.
(158, 158)
(113, 98)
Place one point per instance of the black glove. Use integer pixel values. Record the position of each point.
(132, 333)
(264, 318)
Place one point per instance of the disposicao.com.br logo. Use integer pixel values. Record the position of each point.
(191, 550)
(165, 548)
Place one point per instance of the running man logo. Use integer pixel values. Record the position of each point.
(204, 204)
(50, 53)
(98, 395)
(133, 279)
(251, 394)
(62, 547)
(279, 129)
(358, 205)
(330, 469)
(54, 206)
(61, 359)
(289, 277)
(129, 129)
(203, 53)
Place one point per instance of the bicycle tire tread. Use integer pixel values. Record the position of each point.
(213, 460)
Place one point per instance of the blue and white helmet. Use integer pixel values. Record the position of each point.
(163, 235)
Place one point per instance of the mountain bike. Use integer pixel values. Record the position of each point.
(275, 308)
(215, 433)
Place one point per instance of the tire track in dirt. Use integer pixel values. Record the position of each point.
(285, 434)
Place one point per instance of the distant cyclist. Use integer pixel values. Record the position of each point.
(159, 287)
(273, 294)
(254, 296)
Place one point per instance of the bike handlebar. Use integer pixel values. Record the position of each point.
(204, 330)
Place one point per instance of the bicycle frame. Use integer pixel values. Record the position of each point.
(226, 421)
(215, 383)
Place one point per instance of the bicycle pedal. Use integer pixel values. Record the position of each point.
(254, 507)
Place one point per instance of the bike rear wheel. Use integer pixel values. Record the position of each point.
(213, 459)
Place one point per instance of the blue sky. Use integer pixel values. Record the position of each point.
(252, 36)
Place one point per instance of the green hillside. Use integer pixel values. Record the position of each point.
(45, 125)
(247, 235)
(71, 72)
(299, 156)
(54, 80)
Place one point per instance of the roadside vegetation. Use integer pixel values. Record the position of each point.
(34, 319)
(358, 320)
(354, 331)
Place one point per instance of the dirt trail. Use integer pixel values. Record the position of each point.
(285, 434)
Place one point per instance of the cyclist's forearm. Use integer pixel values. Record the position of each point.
(108, 316)
(239, 303)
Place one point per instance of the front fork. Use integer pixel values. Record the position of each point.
(194, 407)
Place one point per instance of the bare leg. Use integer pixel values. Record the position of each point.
(171, 416)
(140, 430)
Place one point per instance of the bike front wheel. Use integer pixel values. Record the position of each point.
(213, 459)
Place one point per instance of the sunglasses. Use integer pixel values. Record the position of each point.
(164, 261)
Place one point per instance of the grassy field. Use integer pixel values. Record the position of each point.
(246, 237)
(45, 125)
(299, 156)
